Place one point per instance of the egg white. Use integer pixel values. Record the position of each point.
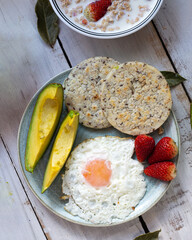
(114, 202)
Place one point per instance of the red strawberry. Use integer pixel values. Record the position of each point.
(165, 171)
(144, 146)
(165, 149)
(96, 10)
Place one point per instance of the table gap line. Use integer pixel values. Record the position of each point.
(143, 224)
(170, 59)
(12, 162)
(64, 52)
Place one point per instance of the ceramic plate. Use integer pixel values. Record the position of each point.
(126, 30)
(51, 198)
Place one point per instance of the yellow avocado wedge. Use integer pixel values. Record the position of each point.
(61, 148)
(44, 120)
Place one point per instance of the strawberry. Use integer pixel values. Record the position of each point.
(165, 149)
(144, 146)
(164, 171)
(96, 10)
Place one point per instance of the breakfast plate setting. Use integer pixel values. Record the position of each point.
(115, 146)
(96, 120)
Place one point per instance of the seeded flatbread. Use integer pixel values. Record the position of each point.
(82, 90)
(136, 98)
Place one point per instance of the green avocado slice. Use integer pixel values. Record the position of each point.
(44, 120)
(61, 148)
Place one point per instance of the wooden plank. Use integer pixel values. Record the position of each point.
(173, 213)
(26, 63)
(18, 220)
(141, 46)
(57, 228)
(174, 219)
(174, 25)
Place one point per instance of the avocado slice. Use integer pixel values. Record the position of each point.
(61, 148)
(44, 120)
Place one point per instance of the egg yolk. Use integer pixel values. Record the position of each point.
(97, 173)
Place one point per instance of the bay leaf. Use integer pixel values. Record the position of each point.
(149, 236)
(47, 22)
(173, 78)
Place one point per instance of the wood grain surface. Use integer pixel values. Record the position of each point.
(26, 63)
(173, 23)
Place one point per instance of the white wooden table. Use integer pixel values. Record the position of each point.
(26, 63)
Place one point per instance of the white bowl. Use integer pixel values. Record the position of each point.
(127, 29)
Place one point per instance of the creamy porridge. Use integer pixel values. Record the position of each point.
(120, 15)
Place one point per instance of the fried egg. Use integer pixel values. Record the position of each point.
(103, 182)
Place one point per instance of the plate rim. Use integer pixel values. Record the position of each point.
(51, 209)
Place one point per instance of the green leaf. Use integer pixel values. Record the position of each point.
(191, 114)
(149, 236)
(47, 22)
(172, 78)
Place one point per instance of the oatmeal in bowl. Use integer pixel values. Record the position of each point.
(106, 18)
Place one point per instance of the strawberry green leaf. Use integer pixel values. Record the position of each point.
(47, 22)
(191, 114)
(149, 236)
(172, 78)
